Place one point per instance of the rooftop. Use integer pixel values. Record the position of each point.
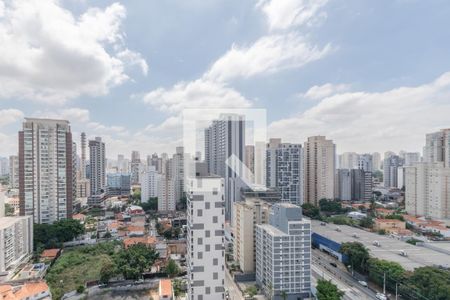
(272, 229)
(165, 287)
(390, 246)
(6, 222)
(50, 253)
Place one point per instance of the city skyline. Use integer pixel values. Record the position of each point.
(317, 87)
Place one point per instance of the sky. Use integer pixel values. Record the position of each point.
(371, 75)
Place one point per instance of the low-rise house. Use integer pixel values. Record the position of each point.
(135, 230)
(165, 290)
(161, 248)
(49, 255)
(79, 217)
(427, 226)
(149, 241)
(28, 291)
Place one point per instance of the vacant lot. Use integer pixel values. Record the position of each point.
(77, 266)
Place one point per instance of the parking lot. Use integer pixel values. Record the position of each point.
(389, 249)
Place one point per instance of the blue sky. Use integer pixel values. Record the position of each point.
(371, 75)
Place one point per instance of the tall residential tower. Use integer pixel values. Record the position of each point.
(45, 170)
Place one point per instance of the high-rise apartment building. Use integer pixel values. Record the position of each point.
(118, 184)
(45, 170)
(320, 168)
(14, 172)
(83, 156)
(260, 163)
(176, 173)
(376, 161)
(224, 138)
(250, 162)
(271, 162)
(166, 194)
(348, 160)
(285, 170)
(149, 183)
(361, 185)
(4, 166)
(135, 167)
(248, 214)
(353, 185)
(427, 190)
(16, 236)
(365, 162)
(97, 166)
(205, 236)
(344, 184)
(437, 147)
(391, 165)
(410, 158)
(283, 253)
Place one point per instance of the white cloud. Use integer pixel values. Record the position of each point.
(8, 116)
(285, 14)
(361, 121)
(195, 94)
(269, 54)
(50, 55)
(322, 91)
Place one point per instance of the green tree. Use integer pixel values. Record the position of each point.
(80, 289)
(284, 295)
(430, 282)
(172, 268)
(395, 217)
(366, 222)
(135, 260)
(53, 235)
(358, 255)
(311, 211)
(378, 268)
(151, 204)
(330, 206)
(107, 272)
(326, 290)
(251, 291)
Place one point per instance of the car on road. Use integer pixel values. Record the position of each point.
(333, 264)
(363, 283)
(381, 296)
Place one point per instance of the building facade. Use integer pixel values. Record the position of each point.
(427, 190)
(285, 171)
(205, 237)
(437, 147)
(248, 214)
(320, 168)
(97, 166)
(391, 165)
(135, 167)
(16, 236)
(45, 170)
(149, 183)
(14, 172)
(283, 253)
(344, 184)
(118, 184)
(223, 139)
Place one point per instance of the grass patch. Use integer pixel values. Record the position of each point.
(77, 266)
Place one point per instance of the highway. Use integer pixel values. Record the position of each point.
(321, 268)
